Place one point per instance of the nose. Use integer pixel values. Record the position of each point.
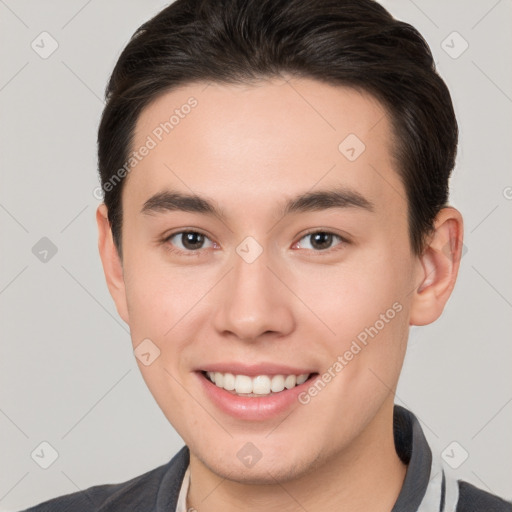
(252, 301)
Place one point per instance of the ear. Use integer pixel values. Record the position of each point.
(112, 265)
(438, 267)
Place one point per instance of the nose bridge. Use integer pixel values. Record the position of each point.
(252, 301)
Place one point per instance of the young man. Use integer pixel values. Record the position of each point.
(275, 217)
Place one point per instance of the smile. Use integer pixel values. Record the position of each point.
(261, 385)
(254, 392)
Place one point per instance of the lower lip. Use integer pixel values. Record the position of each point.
(252, 408)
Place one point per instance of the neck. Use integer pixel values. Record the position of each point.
(368, 475)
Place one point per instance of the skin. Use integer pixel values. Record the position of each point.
(249, 148)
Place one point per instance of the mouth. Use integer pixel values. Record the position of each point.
(256, 386)
(254, 392)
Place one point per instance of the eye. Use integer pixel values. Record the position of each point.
(321, 241)
(187, 242)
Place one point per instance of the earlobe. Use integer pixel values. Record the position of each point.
(112, 265)
(438, 267)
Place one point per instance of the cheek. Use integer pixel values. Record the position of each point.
(160, 303)
(365, 306)
(351, 297)
(150, 306)
(158, 296)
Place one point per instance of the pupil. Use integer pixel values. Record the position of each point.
(324, 240)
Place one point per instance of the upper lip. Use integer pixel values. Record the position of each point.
(253, 370)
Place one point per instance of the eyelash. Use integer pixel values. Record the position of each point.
(197, 252)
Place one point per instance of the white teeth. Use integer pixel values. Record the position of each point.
(277, 383)
(301, 379)
(260, 385)
(290, 381)
(243, 384)
(229, 381)
(219, 379)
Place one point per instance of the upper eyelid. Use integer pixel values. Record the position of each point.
(168, 237)
(328, 231)
(343, 240)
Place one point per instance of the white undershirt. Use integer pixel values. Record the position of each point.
(181, 506)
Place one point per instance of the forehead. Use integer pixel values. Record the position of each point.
(273, 138)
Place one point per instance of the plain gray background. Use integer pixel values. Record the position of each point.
(68, 374)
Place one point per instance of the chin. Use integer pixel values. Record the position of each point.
(269, 469)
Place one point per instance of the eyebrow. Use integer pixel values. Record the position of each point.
(340, 197)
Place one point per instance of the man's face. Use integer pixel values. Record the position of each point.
(257, 292)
